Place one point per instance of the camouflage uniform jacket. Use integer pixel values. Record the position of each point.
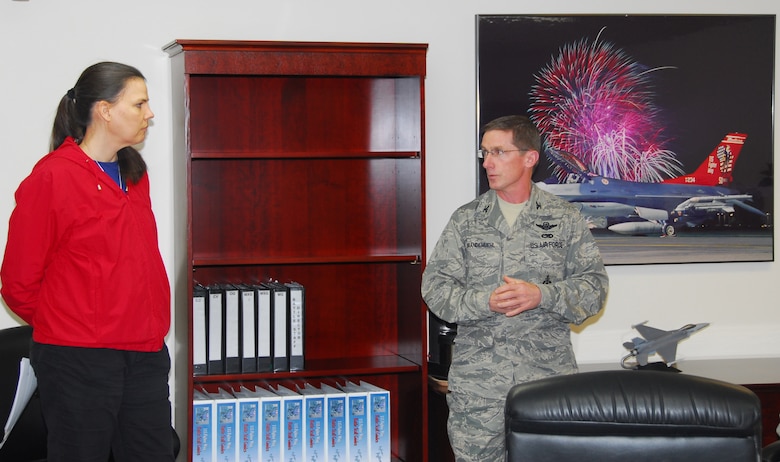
(550, 246)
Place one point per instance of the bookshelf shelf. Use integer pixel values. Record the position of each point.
(209, 155)
(323, 368)
(305, 162)
(243, 260)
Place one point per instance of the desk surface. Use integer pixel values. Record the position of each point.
(745, 371)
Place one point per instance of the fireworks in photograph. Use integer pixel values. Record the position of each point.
(643, 120)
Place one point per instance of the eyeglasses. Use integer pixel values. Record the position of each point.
(499, 153)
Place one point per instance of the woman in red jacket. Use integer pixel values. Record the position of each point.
(82, 266)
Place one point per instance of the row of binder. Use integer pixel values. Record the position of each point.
(339, 422)
(247, 328)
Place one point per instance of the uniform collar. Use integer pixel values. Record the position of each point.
(488, 202)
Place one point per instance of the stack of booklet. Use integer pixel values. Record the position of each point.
(302, 422)
(247, 328)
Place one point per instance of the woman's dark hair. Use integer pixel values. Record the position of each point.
(100, 82)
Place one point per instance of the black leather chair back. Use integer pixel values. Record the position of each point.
(637, 416)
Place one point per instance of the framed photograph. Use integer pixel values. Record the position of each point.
(659, 128)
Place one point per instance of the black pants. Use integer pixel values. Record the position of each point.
(98, 401)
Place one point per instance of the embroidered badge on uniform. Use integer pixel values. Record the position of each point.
(546, 226)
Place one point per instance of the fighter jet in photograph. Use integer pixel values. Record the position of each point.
(662, 342)
(638, 208)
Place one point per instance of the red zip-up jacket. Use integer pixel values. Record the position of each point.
(82, 264)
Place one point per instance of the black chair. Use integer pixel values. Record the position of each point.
(27, 440)
(771, 453)
(641, 416)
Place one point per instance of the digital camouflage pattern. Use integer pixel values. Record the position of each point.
(549, 245)
(477, 429)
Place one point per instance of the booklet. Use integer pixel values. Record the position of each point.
(25, 388)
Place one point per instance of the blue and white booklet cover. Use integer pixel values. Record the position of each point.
(204, 427)
(379, 422)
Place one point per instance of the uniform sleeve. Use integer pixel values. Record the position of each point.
(583, 292)
(28, 246)
(444, 282)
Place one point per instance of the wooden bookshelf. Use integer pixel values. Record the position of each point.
(305, 161)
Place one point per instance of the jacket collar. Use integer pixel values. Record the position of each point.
(488, 210)
(71, 151)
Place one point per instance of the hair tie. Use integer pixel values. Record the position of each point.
(72, 95)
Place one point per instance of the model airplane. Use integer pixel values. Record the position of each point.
(648, 208)
(662, 342)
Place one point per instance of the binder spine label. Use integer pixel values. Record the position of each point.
(199, 337)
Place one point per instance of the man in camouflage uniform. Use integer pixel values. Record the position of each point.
(513, 268)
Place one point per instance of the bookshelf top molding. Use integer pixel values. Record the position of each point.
(237, 57)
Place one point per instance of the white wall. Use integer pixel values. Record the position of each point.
(44, 45)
